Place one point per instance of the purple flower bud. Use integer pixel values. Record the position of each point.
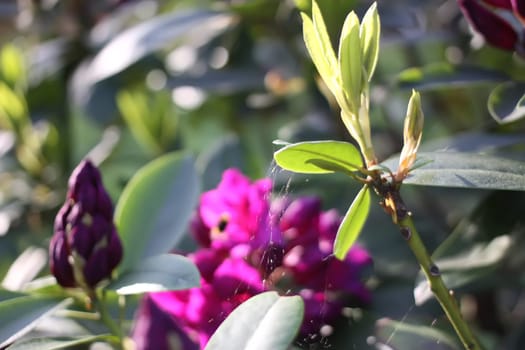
(85, 247)
(496, 31)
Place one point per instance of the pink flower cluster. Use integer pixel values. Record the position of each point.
(250, 244)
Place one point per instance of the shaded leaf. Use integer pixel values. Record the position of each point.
(319, 157)
(444, 76)
(144, 38)
(400, 335)
(19, 315)
(59, 342)
(158, 273)
(155, 207)
(352, 224)
(466, 170)
(265, 321)
(506, 102)
(466, 266)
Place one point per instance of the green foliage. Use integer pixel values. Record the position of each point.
(157, 273)
(265, 321)
(352, 224)
(154, 208)
(19, 315)
(466, 170)
(319, 157)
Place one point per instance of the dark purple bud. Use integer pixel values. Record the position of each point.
(155, 328)
(496, 31)
(85, 247)
(59, 264)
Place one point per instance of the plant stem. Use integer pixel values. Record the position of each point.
(443, 294)
(113, 327)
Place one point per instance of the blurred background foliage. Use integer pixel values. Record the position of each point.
(127, 81)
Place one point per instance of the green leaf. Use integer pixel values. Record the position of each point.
(19, 315)
(265, 321)
(158, 273)
(506, 102)
(315, 48)
(319, 157)
(443, 75)
(60, 342)
(369, 35)
(155, 207)
(467, 266)
(402, 335)
(350, 59)
(12, 65)
(352, 224)
(466, 170)
(323, 37)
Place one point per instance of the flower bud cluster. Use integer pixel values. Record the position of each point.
(85, 247)
(250, 244)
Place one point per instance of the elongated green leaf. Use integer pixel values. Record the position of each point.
(319, 157)
(369, 35)
(466, 170)
(350, 59)
(158, 273)
(266, 321)
(19, 315)
(402, 335)
(323, 37)
(60, 343)
(155, 207)
(506, 102)
(314, 47)
(352, 224)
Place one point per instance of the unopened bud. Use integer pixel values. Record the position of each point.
(412, 135)
(85, 247)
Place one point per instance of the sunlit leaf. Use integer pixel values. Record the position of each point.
(12, 65)
(466, 170)
(315, 49)
(19, 315)
(352, 224)
(155, 207)
(506, 102)
(60, 342)
(265, 321)
(157, 273)
(319, 157)
(369, 35)
(350, 58)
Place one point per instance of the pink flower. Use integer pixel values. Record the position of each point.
(235, 212)
(250, 244)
